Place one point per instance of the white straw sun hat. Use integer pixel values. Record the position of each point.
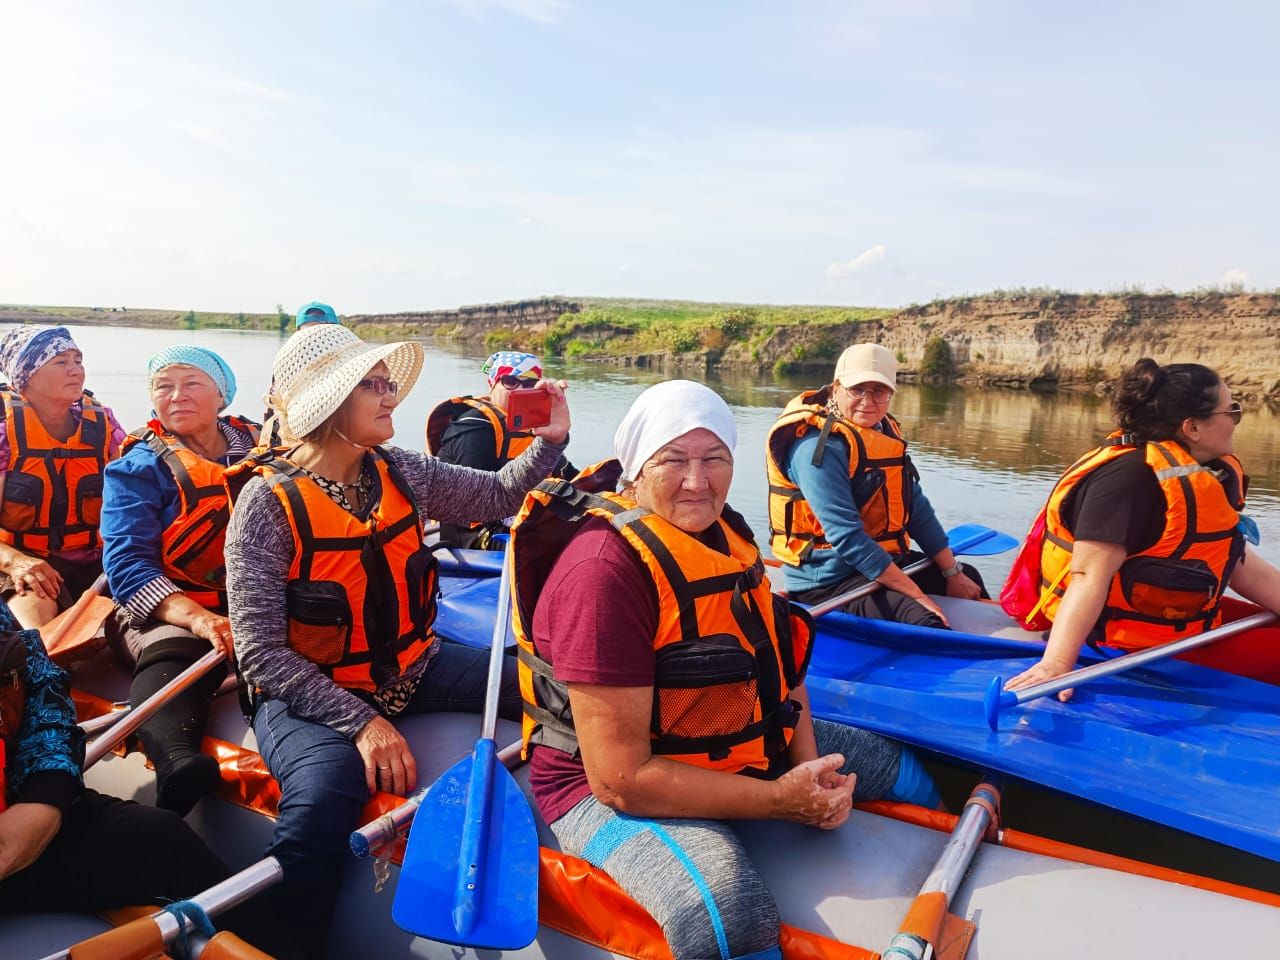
(319, 366)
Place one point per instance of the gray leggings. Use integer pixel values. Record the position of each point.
(693, 876)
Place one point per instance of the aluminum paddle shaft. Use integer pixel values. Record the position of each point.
(922, 926)
(998, 699)
(147, 709)
(857, 593)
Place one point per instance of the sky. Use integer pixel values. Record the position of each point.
(387, 156)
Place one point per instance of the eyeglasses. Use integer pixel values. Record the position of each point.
(878, 394)
(512, 382)
(380, 385)
(1235, 412)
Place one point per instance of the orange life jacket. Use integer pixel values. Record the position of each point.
(1172, 589)
(53, 489)
(361, 597)
(191, 546)
(507, 444)
(728, 651)
(880, 478)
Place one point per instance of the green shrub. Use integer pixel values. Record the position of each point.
(682, 341)
(937, 361)
(499, 338)
(735, 324)
(900, 357)
(190, 320)
(782, 368)
(578, 348)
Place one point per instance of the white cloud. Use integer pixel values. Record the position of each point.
(862, 261)
(623, 268)
(524, 221)
(1235, 277)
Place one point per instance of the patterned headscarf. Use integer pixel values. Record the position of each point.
(512, 363)
(27, 348)
(202, 359)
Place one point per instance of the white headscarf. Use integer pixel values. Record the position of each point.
(667, 411)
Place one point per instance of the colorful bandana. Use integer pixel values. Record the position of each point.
(204, 360)
(512, 363)
(27, 348)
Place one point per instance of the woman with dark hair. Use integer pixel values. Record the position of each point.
(1144, 533)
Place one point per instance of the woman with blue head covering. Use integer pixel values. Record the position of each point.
(163, 525)
(56, 440)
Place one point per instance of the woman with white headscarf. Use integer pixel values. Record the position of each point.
(163, 524)
(55, 440)
(664, 681)
(333, 596)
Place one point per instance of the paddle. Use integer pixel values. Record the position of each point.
(380, 831)
(67, 635)
(470, 872)
(147, 937)
(969, 539)
(998, 699)
(922, 928)
(147, 709)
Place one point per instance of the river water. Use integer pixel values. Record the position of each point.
(986, 456)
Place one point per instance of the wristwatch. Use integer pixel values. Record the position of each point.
(952, 570)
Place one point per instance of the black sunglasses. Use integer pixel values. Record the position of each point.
(1235, 412)
(512, 382)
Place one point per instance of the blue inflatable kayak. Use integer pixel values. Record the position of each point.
(1175, 743)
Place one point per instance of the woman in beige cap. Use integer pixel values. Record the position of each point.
(845, 501)
(332, 596)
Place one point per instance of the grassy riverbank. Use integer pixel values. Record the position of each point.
(145, 317)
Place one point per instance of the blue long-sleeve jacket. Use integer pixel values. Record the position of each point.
(139, 501)
(46, 765)
(826, 488)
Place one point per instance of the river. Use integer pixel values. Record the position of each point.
(986, 456)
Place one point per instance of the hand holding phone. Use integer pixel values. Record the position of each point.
(528, 409)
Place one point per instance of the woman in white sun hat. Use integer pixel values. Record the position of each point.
(332, 596)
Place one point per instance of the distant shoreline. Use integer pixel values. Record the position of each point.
(1044, 340)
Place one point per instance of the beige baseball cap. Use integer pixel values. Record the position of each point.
(867, 363)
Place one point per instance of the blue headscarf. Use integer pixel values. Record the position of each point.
(25, 349)
(203, 360)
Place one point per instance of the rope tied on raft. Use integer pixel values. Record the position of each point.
(183, 910)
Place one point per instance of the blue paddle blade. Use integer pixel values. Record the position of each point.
(502, 912)
(975, 540)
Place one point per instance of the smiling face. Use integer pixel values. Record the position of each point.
(864, 403)
(687, 481)
(365, 416)
(61, 380)
(186, 399)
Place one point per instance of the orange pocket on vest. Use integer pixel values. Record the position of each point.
(1173, 590)
(89, 499)
(23, 497)
(319, 620)
(705, 687)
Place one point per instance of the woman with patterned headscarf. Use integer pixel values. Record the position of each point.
(163, 527)
(55, 441)
(472, 432)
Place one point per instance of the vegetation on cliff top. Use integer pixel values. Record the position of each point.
(637, 327)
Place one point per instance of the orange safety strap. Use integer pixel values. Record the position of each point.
(225, 945)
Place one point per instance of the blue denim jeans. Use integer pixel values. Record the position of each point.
(322, 786)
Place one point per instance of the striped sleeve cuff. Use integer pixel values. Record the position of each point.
(149, 596)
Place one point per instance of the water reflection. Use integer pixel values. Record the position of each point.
(987, 456)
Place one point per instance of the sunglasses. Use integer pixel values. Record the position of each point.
(512, 382)
(380, 385)
(1235, 412)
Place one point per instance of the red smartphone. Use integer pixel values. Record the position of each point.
(527, 409)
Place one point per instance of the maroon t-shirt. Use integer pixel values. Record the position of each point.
(594, 623)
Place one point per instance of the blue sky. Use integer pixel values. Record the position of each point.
(387, 156)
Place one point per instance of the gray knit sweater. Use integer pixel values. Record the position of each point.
(259, 552)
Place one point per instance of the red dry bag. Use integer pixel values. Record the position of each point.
(1020, 595)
